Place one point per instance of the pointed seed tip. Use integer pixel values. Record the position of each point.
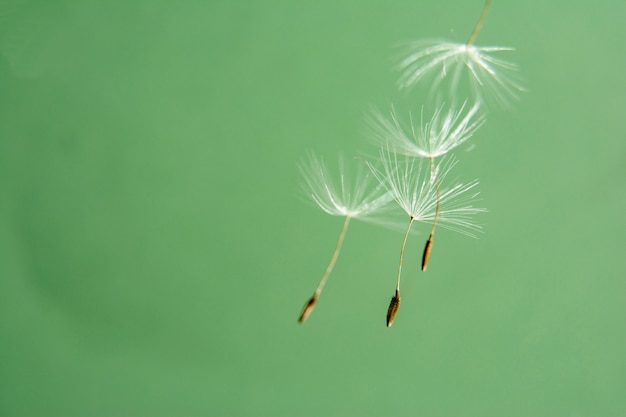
(394, 305)
(426, 254)
(308, 308)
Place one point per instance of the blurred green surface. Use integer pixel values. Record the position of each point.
(154, 253)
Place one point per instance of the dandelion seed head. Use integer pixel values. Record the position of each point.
(489, 78)
(444, 131)
(414, 188)
(356, 194)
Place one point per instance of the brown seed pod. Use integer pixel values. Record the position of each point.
(426, 254)
(308, 308)
(394, 305)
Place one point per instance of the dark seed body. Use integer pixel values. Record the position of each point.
(426, 254)
(394, 305)
(308, 308)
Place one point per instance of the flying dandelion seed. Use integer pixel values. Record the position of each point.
(444, 131)
(359, 196)
(432, 138)
(434, 62)
(409, 180)
(414, 167)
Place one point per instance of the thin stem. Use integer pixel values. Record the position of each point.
(429, 242)
(479, 24)
(394, 305)
(308, 307)
(333, 259)
(406, 235)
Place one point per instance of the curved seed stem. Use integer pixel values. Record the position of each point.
(333, 259)
(479, 24)
(308, 307)
(429, 242)
(394, 305)
(406, 235)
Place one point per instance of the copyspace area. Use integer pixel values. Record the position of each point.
(155, 252)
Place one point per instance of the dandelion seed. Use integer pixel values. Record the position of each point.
(412, 186)
(436, 61)
(408, 181)
(360, 197)
(308, 307)
(444, 131)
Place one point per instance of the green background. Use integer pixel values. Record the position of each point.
(155, 254)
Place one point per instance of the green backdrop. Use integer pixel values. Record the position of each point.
(155, 253)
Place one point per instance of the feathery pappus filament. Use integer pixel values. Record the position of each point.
(411, 183)
(435, 62)
(354, 194)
